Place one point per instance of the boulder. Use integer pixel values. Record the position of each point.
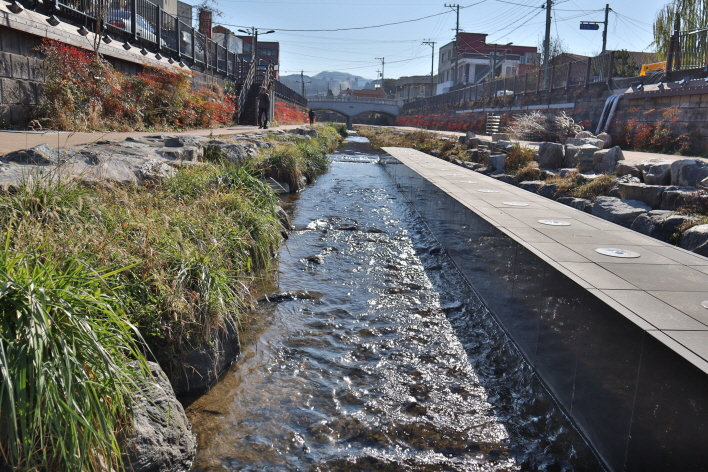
(660, 224)
(567, 172)
(532, 185)
(625, 168)
(496, 161)
(584, 134)
(690, 174)
(473, 143)
(606, 139)
(695, 239)
(675, 196)
(203, 365)
(649, 194)
(506, 178)
(548, 191)
(676, 167)
(161, 439)
(41, 155)
(656, 171)
(550, 155)
(580, 157)
(547, 173)
(155, 170)
(186, 141)
(598, 143)
(500, 137)
(605, 160)
(582, 204)
(184, 153)
(503, 146)
(621, 212)
(236, 152)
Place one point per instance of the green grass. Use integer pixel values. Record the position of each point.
(94, 277)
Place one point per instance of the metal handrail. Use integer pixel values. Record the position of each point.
(245, 89)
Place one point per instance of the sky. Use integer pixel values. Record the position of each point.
(320, 35)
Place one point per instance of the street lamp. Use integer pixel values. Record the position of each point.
(254, 32)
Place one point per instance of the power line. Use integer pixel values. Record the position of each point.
(357, 27)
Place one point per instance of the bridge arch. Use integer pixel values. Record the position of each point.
(351, 107)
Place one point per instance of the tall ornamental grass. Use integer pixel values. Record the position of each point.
(65, 381)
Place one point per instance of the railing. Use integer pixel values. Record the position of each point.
(289, 94)
(245, 89)
(383, 101)
(688, 50)
(560, 76)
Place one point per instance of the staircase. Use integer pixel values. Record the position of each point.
(248, 90)
(493, 122)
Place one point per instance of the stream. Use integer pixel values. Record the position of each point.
(382, 357)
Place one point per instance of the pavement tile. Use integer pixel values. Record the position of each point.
(622, 310)
(597, 276)
(687, 302)
(588, 250)
(660, 314)
(695, 341)
(559, 252)
(681, 256)
(660, 277)
(700, 361)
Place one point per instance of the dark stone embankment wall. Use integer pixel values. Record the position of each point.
(21, 75)
(641, 406)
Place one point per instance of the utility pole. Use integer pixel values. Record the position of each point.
(383, 64)
(547, 42)
(604, 32)
(432, 63)
(302, 81)
(457, 38)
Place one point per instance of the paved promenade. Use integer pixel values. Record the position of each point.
(16, 140)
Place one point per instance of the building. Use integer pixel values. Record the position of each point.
(227, 39)
(477, 61)
(268, 51)
(414, 87)
(376, 93)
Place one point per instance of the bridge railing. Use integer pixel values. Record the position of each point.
(382, 101)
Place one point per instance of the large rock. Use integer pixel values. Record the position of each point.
(580, 157)
(550, 155)
(42, 155)
(155, 170)
(532, 185)
(605, 160)
(675, 196)
(606, 139)
(598, 143)
(649, 194)
(506, 178)
(548, 191)
(582, 204)
(203, 365)
(184, 153)
(236, 152)
(186, 141)
(677, 169)
(584, 134)
(660, 224)
(161, 439)
(627, 168)
(503, 146)
(656, 171)
(690, 174)
(695, 239)
(496, 161)
(621, 212)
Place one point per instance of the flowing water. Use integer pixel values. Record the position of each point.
(389, 361)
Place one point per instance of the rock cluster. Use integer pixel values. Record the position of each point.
(644, 197)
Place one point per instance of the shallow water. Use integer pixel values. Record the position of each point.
(391, 362)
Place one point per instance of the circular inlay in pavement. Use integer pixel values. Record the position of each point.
(554, 222)
(485, 190)
(705, 304)
(615, 252)
(516, 204)
(468, 181)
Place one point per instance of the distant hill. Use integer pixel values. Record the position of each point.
(321, 82)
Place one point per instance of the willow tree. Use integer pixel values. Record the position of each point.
(693, 15)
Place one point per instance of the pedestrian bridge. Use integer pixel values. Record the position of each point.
(351, 107)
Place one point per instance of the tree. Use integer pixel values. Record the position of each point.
(693, 15)
(389, 86)
(625, 64)
(330, 94)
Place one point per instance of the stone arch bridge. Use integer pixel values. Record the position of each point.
(351, 107)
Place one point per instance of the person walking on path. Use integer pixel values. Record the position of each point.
(263, 108)
(311, 115)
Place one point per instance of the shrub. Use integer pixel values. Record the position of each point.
(65, 377)
(518, 158)
(597, 187)
(537, 126)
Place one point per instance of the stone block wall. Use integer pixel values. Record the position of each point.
(21, 76)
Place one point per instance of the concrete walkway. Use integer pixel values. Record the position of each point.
(16, 140)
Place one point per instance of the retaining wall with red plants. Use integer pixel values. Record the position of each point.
(288, 114)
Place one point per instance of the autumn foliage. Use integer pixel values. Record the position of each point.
(288, 115)
(462, 122)
(82, 91)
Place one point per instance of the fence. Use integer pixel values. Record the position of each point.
(560, 76)
(142, 24)
(688, 50)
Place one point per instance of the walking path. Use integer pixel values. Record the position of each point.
(16, 140)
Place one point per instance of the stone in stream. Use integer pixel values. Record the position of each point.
(279, 297)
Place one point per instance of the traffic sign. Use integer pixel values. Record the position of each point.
(589, 26)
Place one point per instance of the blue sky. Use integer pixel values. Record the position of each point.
(356, 50)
